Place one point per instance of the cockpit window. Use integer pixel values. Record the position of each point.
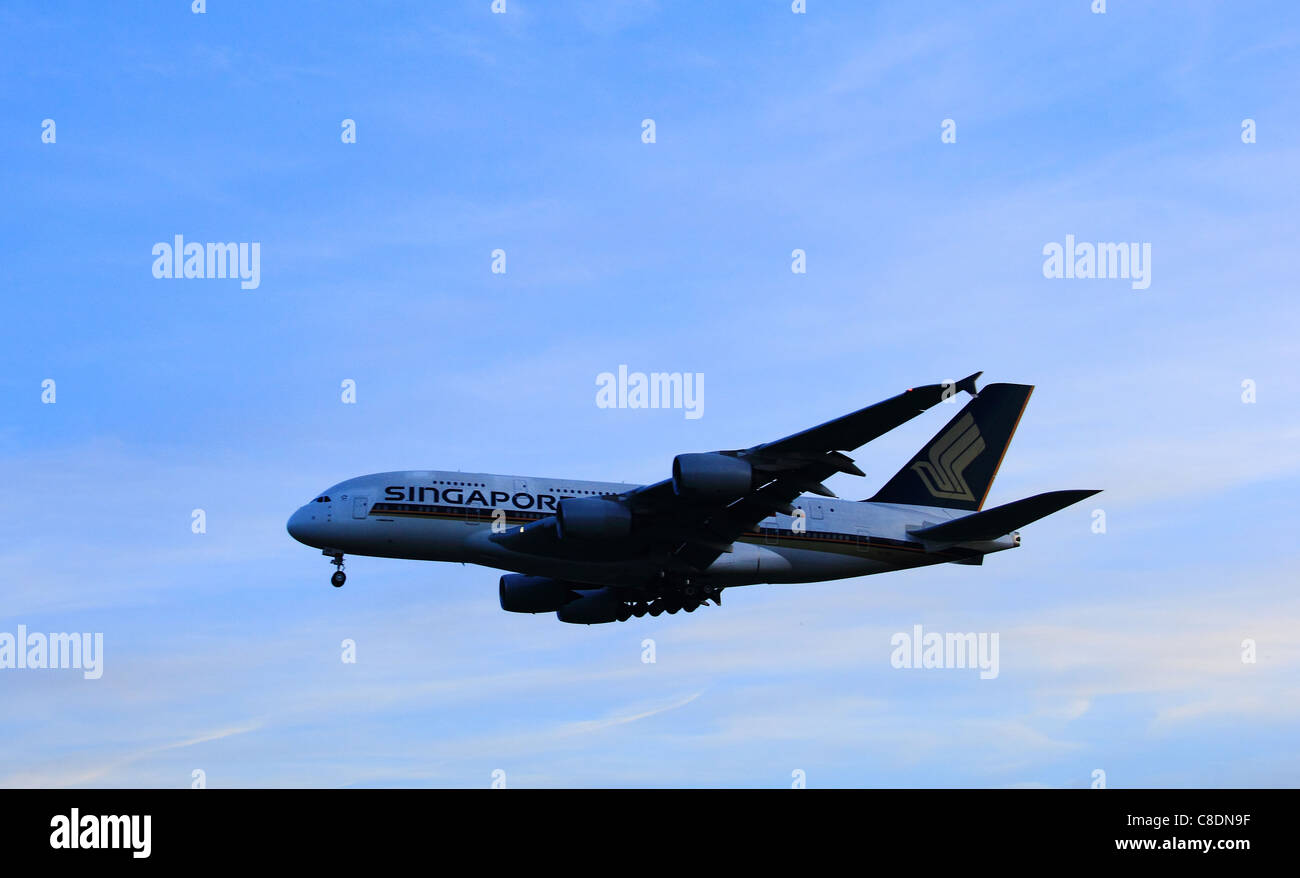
(321, 499)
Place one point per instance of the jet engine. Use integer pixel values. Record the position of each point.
(534, 594)
(711, 476)
(595, 606)
(592, 518)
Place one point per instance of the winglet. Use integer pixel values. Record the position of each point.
(968, 383)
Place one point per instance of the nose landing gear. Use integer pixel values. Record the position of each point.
(339, 576)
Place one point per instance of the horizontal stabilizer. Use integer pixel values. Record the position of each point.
(1000, 520)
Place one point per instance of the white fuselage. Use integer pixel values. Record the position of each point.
(450, 516)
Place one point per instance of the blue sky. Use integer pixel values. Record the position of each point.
(1119, 651)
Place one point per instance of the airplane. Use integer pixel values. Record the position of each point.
(595, 552)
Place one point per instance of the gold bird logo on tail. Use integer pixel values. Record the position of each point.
(942, 474)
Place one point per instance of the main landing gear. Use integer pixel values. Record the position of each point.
(339, 576)
(683, 595)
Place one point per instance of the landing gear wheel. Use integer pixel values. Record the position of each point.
(339, 577)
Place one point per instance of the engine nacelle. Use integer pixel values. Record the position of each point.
(594, 607)
(711, 476)
(592, 518)
(534, 594)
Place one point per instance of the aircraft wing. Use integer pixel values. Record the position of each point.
(784, 469)
(696, 532)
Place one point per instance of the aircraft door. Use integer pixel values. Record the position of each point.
(360, 506)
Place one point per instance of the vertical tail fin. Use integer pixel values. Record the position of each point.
(956, 468)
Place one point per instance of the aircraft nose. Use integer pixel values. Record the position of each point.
(302, 527)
